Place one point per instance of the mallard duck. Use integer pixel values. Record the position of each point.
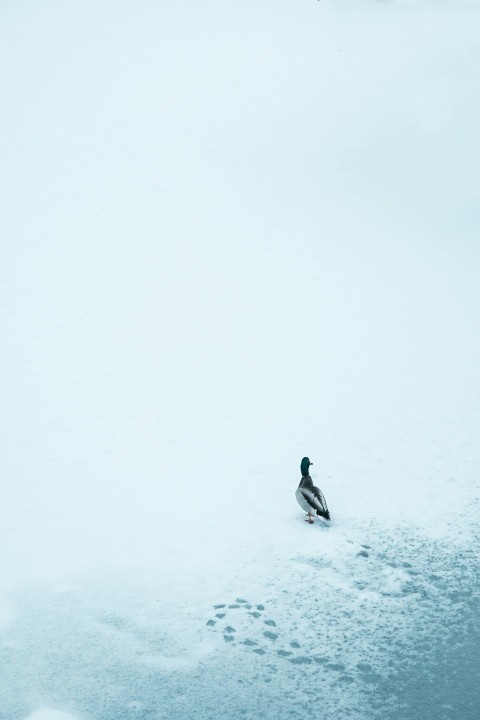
(309, 497)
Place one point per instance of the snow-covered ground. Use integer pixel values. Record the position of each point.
(233, 235)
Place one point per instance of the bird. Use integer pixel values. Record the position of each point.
(309, 497)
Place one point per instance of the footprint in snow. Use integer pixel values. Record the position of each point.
(252, 629)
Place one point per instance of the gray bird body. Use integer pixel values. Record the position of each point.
(309, 497)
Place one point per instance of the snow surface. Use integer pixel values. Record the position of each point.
(50, 715)
(231, 236)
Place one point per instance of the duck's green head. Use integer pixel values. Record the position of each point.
(304, 466)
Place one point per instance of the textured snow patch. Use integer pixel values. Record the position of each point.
(49, 714)
(6, 613)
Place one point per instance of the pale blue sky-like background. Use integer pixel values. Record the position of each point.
(228, 232)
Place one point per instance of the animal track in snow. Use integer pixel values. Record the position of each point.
(247, 626)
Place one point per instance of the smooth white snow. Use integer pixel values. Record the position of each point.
(232, 236)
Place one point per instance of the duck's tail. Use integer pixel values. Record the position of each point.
(324, 512)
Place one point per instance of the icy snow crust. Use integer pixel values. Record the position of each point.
(361, 629)
(233, 235)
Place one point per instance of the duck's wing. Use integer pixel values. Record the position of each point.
(313, 501)
(321, 503)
